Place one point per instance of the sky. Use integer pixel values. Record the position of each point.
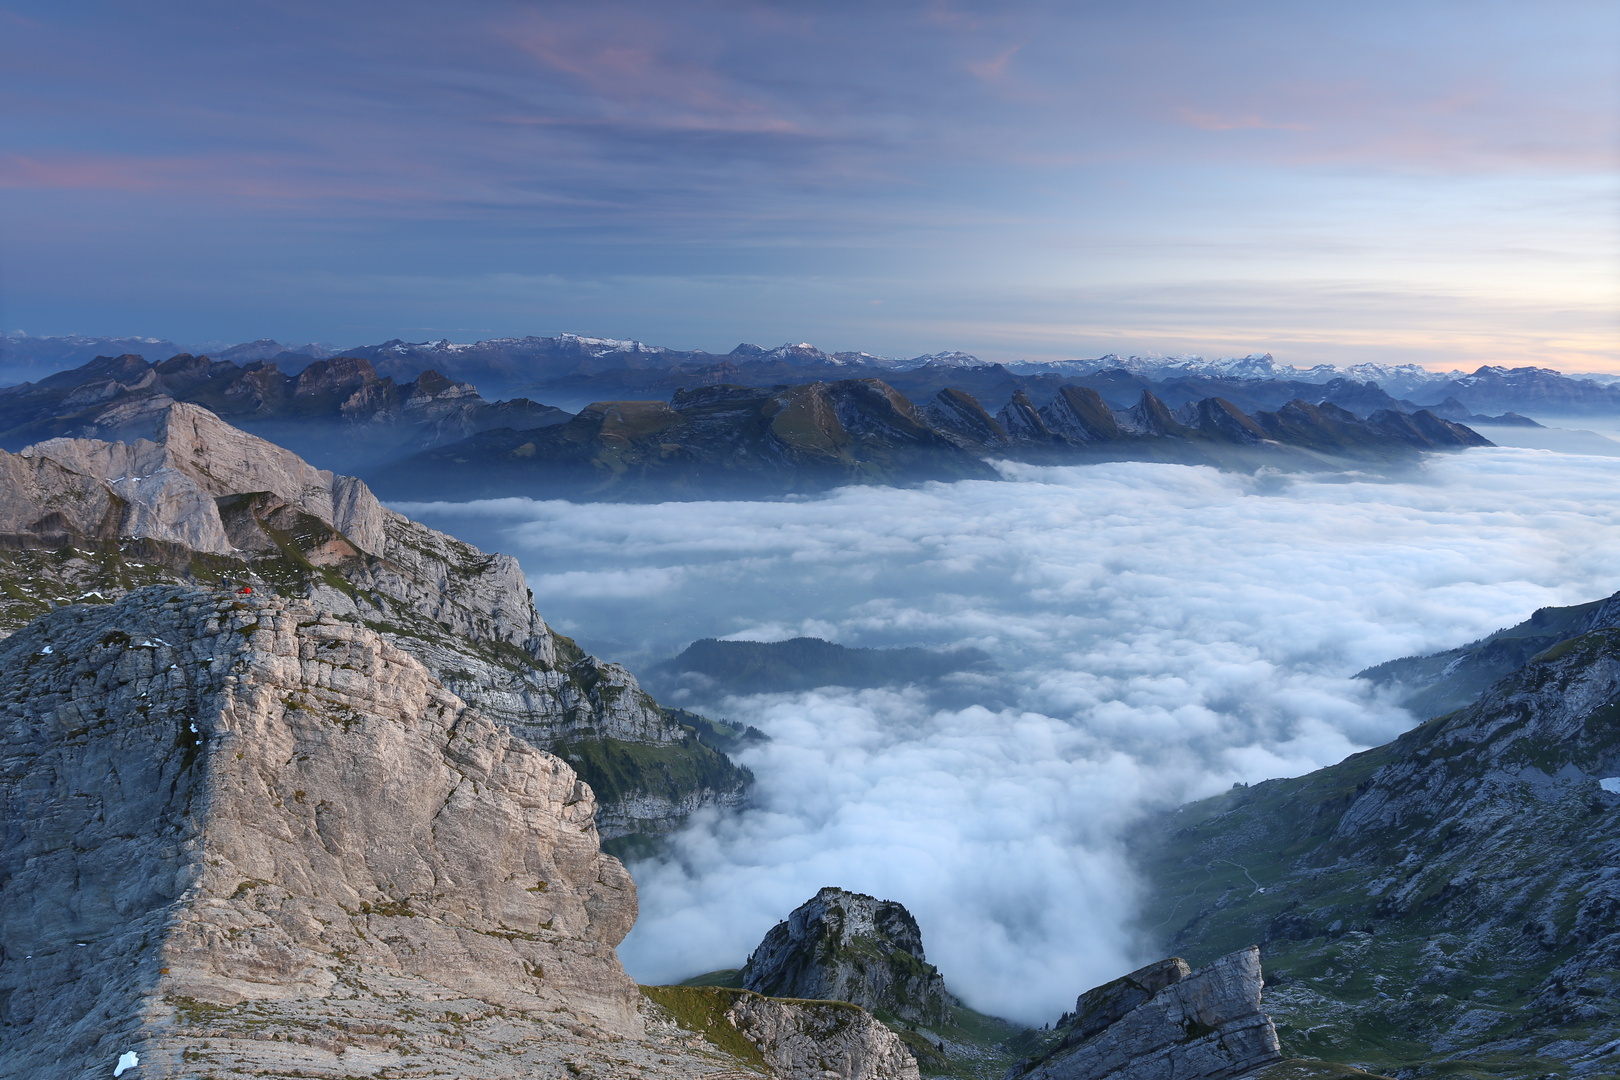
(1161, 632)
(1419, 182)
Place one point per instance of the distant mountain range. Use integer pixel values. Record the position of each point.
(742, 442)
(337, 411)
(431, 435)
(572, 371)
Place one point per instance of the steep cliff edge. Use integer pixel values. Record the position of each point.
(213, 801)
(244, 836)
(87, 520)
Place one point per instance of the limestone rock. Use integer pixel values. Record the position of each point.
(219, 801)
(793, 1040)
(844, 946)
(804, 1040)
(1166, 1022)
(249, 507)
(196, 453)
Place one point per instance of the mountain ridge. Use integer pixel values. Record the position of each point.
(207, 502)
(744, 442)
(1447, 897)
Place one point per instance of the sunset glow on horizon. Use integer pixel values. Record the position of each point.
(1431, 184)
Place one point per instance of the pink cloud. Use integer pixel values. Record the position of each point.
(995, 68)
(640, 81)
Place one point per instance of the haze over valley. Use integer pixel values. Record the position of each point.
(762, 541)
(1162, 632)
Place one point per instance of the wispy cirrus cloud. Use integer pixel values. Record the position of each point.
(898, 144)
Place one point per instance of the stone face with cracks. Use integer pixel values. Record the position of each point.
(1165, 1022)
(844, 946)
(243, 836)
(217, 801)
(206, 488)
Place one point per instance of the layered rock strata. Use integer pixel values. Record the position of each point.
(204, 501)
(215, 800)
(243, 836)
(1166, 1022)
(844, 946)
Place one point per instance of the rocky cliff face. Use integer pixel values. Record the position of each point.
(221, 801)
(244, 836)
(845, 946)
(1450, 896)
(205, 501)
(1166, 1022)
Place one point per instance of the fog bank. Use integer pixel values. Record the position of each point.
(1163, 632)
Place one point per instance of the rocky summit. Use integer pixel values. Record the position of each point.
(244, 836)
(203, 502)
(846, 946)
(1165, 1022)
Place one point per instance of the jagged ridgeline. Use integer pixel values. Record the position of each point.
(86, 521)
(740, 441)
(337, 410)
(1448, 903)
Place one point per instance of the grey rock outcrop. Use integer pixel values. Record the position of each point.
(206, 499)
(245, 837)
(815, 1040)
(1166, 1022)
(213, 800)
(197, 456)
(1080, 415)
(844, 946)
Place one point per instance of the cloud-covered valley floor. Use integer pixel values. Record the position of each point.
(1161, 633)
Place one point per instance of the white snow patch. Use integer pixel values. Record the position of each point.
(1610, 783)
(127, 1060)
(46, 651)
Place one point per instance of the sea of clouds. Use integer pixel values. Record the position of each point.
(1161, 632)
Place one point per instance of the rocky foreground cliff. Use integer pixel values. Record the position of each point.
(86, 520)
(245, 836)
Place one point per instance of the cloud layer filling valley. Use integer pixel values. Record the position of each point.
(1162, 632)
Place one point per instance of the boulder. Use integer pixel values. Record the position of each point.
(1166, 1022)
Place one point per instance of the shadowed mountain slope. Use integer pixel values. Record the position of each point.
(756, 667)
(1444, 903)
(337, 411)
(740, 442)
